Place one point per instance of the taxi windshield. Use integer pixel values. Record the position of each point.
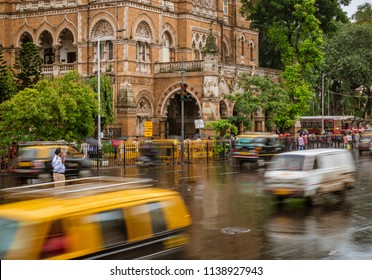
(287, 162)
(8, 230)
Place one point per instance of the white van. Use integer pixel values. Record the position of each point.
(310, 174)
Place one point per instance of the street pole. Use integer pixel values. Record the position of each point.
(182, 117)
(99, 93)
(323, 74)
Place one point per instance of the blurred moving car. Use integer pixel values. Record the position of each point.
(310, 174)
(35, 162)
(365, 144)
(255, 148)
(93, 218)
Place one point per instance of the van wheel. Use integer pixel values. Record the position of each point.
(315, 200)
(342, 195)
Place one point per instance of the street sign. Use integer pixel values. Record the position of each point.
(199, 123)
(148, 129)
(148, 125)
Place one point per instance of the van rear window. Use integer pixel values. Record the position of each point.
(288, 162)
(8, 230)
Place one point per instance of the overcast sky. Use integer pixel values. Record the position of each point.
(353, 7)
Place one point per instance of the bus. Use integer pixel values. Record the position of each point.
(334, 124)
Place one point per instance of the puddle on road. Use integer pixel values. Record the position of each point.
(235, 230)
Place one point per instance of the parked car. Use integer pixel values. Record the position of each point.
(112, 218)
(365, 144)
(310, 174)
(255, 148)
(35, 162)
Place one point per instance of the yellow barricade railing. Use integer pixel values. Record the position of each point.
(168, 149)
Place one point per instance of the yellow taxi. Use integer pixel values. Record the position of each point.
(93, 218)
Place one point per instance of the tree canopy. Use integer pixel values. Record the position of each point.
(349, 67)
(271, 16)
(63, 108)
(7, 84)
(28, 66)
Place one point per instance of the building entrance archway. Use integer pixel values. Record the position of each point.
(174, 118)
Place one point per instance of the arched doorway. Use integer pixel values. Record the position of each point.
(174, 120)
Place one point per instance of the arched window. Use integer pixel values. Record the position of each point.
(242, 42)
(251, 48)
(144, 38)
(105, 32)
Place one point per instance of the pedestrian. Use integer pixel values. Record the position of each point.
(357, 139)
(300, 142)
(349, 140)
(345, 140)
(59, 168)
(304, 136)
(84, 149)
(13, 155)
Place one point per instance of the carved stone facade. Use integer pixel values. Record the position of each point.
(143, 45)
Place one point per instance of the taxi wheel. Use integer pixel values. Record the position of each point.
(46, 177)
(85, 173)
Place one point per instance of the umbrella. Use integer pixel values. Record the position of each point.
(303, 130)
(91, 141)
(116, 142)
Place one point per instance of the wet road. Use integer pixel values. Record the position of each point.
(233, 219)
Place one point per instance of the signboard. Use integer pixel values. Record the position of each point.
(148, 129)
(148, 125)
(148, 133)
(199, 123)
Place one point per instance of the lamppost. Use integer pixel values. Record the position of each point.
(99, 92)
(323, 76)
(183, 88)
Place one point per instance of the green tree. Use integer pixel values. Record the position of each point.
(223, 128)
(349, 67)
(64, 108)
(262, 94)
(363, 15)
(270, 16)
(7, 84)
(28, 66)
(107, 106)
(299, 44)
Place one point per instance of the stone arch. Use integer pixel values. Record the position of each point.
(24, 37)
(143, 21)
(62, 29)
(103, 27)
(172, 32)
(226, 50)
(62, 34)
(44, 33)
(224, 109)
(145, 106)
(170, 92)
(143, 32)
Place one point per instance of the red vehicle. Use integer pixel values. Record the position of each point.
(334, 124)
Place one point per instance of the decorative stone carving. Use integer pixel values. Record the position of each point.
(125, 97)
(144, 107)
(223, 87)
(103, 29)
(143, 32)
(210, 86)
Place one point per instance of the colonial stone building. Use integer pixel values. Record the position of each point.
(149, 47)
